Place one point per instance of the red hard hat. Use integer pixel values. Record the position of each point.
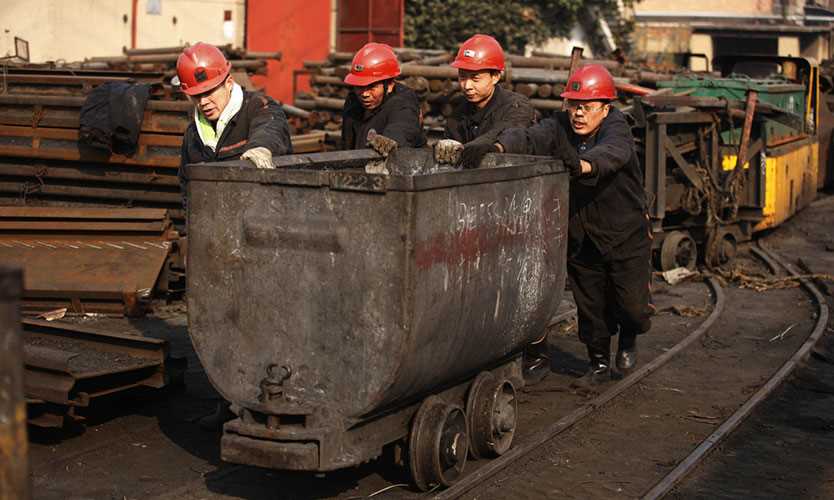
(201, 67)
(481, 52)
(590, 83)
(373, 62)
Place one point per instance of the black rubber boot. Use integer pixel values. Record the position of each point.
(536, 361)
(599, 369)
(626, 359)
(215, 421)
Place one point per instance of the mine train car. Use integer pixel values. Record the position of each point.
(341, 312)
(690, 136)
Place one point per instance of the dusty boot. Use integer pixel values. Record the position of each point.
(626, 359)
(536, 361)
(215, 421)
(599, 369)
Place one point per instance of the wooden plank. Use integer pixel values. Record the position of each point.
(85, 213)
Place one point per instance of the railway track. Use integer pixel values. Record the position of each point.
(489, 482)
(519, 450)
(484, 479)
(665, 485)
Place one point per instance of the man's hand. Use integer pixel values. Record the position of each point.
(381, 144)
(447, 151)
(473, 154)
(260, 156)
(570, 158)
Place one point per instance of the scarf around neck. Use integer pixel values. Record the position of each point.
(210, 134)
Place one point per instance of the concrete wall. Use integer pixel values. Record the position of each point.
(701, 44)
(74, 29)
(721, 7)
(789, 46)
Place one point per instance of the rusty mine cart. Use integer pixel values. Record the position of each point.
(341, 312)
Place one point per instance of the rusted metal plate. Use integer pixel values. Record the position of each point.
(76, 258)
(67, 366)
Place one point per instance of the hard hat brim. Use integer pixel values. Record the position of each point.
(472, 66)
(362, 81)
(582, 96)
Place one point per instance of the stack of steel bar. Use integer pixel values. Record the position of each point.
(164, 59)
(66, 366)
(41, 161)
(540, 77)
(99, 260)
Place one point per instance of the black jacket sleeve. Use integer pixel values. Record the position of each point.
(268, 127)
(613, 149)
(546, 138)
(518, 113)
(403, 123)
(348, 121)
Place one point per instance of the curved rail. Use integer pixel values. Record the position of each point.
(665, 485)
(476, 478)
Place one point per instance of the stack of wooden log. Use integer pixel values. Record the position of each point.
(541, 77)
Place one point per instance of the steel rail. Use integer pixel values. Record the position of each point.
(665, 485)
(541, 437)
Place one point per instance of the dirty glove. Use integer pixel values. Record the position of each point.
(381, 144)
(447, 151)
(260, 156)
(473, 153)
(571, 160)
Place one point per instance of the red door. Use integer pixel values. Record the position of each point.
(363, 21)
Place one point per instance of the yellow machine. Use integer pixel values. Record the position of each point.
(766, 107)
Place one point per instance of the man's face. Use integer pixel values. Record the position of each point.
(371, 95)
(212, 103)
(586, 116)
(478, 86)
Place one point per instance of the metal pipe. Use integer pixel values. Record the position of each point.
(575, 56)
(251, 54)
(564, 61)
(155, 50)
(14, 445)
(294, 111)
(546, 104)
(750, 110)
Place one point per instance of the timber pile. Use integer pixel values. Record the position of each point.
(42, 163)
(540, 77)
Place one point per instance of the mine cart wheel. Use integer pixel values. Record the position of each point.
(438, 444)
(724, 250)
(491, 410)
(678, 250)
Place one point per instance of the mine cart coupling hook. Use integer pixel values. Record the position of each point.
(272, 385)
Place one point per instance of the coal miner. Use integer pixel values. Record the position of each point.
(379, 113)
(229, 123)
(609, 243)
(484, 109)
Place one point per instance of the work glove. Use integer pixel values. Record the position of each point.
(447, 151)
(473, 154)
(381, 144)
(571, 160)
(260, 156)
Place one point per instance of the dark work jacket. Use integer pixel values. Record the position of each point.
(398, 118)
(505, 109)
(259, 123)
(111, 117)
(609, 204)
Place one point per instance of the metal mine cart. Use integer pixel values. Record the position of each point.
(340, 311)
